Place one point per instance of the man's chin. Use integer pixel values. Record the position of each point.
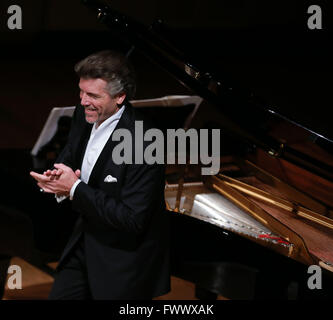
(91, 120)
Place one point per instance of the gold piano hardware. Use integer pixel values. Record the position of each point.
(239, 203)
(298, 251)
(277, 201)
(286, 189)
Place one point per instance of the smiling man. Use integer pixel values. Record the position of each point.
(97, 102)
(119, 246)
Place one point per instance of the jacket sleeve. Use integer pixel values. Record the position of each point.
(143, 186)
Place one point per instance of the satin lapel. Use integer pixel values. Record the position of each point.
(106, 154)
(82, 145)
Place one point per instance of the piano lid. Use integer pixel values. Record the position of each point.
(245, 117)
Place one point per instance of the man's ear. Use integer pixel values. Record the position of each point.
(120, 98)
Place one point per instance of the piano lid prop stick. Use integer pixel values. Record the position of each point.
(180, 188)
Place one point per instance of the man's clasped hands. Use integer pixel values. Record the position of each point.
(58, 181)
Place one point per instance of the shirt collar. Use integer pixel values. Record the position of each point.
(109, 120)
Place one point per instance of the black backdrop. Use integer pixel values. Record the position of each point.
(261, 46)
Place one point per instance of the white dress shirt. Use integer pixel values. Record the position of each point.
(98, 138)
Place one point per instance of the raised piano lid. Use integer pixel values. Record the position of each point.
(259, 125)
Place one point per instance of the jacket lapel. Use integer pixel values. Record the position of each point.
(125, 122)
(82, 145)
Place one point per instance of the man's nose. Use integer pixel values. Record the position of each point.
(85, 100)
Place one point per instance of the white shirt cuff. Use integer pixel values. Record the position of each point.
(71, 193)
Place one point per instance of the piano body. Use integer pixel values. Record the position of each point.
(252, 230)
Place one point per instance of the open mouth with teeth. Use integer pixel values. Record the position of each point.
(90, 109)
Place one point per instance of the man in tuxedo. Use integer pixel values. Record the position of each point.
(119, 246)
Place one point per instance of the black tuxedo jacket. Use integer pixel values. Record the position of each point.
(124, 224)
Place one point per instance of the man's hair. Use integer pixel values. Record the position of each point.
(111, 66)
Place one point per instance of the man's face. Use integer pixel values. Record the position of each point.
(97, 102)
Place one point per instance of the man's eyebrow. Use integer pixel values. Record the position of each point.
(91, 93)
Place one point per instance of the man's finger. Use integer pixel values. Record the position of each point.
(78, 173)
(54, 174)
(39, 177)
(59, 172)
(47, 172)
(60, 166)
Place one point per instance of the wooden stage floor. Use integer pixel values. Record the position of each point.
(37, 284)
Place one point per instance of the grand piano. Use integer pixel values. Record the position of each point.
(252, 230)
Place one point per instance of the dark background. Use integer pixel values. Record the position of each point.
(262, 46)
